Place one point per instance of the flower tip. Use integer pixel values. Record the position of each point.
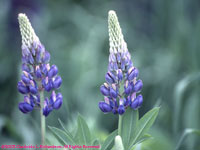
(112, 16)
(21, 15)
(111, 12)
(22, 18)
(27, 32)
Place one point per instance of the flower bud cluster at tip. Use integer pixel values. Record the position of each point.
(122, 84)
(116, 38)
(26, 30)
(37, 74)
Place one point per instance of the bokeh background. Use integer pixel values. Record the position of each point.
(163, 37)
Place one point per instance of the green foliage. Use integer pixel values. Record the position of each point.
(95, 143)
(179, 93)
(83, 136)
(63, 137)
(144, 124)
(134, 130)
(186, 133)
(109, 142)
(186, 104)
(129, 122)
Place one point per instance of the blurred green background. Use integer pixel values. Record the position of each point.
(163, 37)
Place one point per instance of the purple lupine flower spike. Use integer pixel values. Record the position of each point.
(121, 87)
(37, 74)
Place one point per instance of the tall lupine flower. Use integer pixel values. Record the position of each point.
(122, 86)
(37, 74)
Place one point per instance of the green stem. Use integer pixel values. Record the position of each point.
(120, 125)
(42, 117)
(186, 133)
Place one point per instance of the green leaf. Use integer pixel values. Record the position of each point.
(47, 141)
(63, 126)
(180, 89)
(61, 136)
(143, 125)
(51, 139)
(145, 137)
(129, 121)
(108, 143)
(83, 132)
(95, 143)
(76, 134)
(186, 133)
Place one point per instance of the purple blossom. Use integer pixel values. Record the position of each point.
(37, 73)
(122, 85)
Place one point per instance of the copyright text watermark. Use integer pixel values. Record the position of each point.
(48, 146)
